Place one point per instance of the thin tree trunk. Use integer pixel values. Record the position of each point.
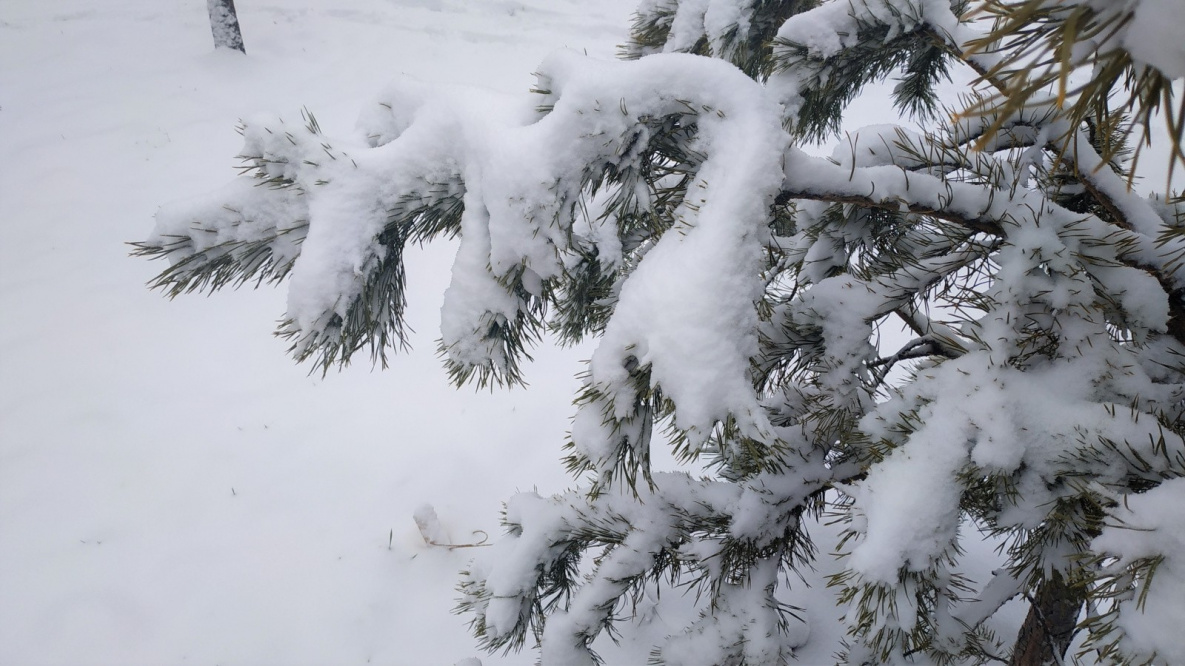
(224, 23)
(1049, 626)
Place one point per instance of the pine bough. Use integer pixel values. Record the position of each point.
(737, 287)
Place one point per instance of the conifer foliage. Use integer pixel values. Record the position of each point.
(737, 288)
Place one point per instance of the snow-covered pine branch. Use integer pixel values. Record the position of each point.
(737, 288)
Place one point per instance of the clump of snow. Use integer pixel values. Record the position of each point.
(1152, 35)
(687, 26)
(1151, 613)
(727, 22)
(823, 31)
(429, 525)
(879, 145)
(241, 215)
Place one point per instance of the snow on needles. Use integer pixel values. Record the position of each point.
(687, 311)
(1151, 36)
(1151, 525)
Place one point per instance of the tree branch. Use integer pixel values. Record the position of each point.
(981, 223)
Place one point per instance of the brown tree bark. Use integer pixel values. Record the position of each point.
(1049, 626)
(224, 23)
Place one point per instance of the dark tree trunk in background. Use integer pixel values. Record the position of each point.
(224, 23)
(1049, 626)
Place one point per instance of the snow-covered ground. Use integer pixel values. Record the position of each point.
(173, 489)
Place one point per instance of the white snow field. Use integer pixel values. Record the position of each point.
(173, 488)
